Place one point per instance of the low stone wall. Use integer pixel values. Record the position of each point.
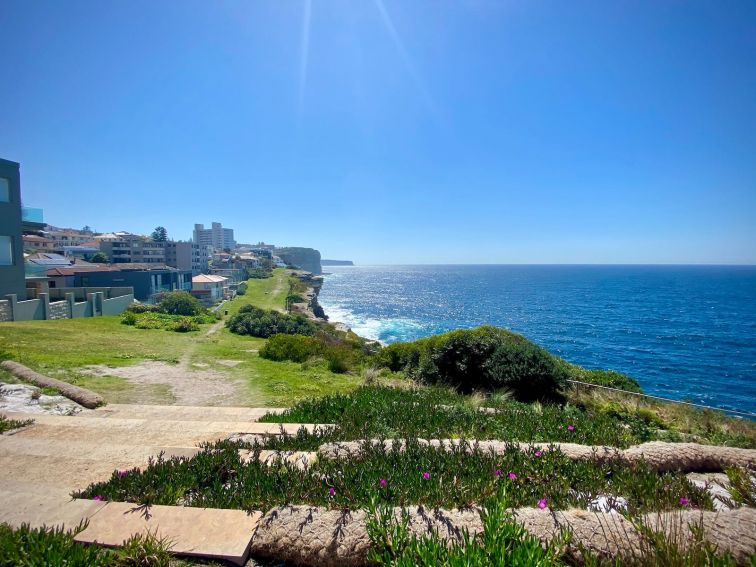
(59, 310)
(328, 538)
(661, 456)
(5, 311)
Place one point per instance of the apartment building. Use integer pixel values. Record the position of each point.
(218, 237)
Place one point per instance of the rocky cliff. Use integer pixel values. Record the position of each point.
(307, 259)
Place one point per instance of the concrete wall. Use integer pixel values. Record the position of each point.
(95, 305)
(80, 293)
(12, 280)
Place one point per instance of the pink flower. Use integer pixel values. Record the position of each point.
(684, 501)
(512, 476)
(426, 475)
(98, 498)
(122, 474)
(542, 503)
(570, 428)
(537, 453)
(383, 482)
(498, 472)
(331, 492)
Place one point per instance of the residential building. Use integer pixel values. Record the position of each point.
(12, 280)
(218, 237)
(209, 288)
(34, 243)
(66, 236)
(134, 249)
(147, 280)
(188, 256)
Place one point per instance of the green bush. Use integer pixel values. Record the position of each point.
(129, 318)
(180, 303)
(339, 359)
(487, 358)
(258, 273)
(608, 378)
(258, 322)
(184, 325)
(297, 348)
(142, 308)
(242, 289)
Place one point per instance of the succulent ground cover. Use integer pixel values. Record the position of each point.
(218, 478)
(9, 424)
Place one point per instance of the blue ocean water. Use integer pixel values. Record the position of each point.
(684, 332)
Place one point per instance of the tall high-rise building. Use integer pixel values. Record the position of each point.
(218, 237)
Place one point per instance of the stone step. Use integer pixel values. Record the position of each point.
(12, 446)
(207, 533)
(183, 413)
(39, 506)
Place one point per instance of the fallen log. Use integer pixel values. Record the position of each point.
(81, 396)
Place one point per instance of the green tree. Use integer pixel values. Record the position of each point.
(99, 258)
(180, 303)
(160, 234)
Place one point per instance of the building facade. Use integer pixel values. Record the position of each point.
(147, 283)
(218, 237)
(188, 256)
(12, 280)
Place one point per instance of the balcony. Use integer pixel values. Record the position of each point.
(32, 219)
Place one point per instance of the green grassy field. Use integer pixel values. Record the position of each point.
(61, 348)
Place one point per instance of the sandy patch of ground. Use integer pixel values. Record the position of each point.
(23, 398)
(229, 363)
(189, 387)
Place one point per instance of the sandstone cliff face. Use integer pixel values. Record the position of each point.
(306, 258)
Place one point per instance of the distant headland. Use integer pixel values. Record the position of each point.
(336, 263)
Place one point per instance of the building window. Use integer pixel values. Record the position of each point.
(6, 251)
(4, 190)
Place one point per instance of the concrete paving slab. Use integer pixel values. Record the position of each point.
(11, 446)
(200, 532)
(44, 508)
(184, 413)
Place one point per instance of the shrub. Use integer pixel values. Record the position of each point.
(25, 546)
(258, 273)
(142, 308)
(608, 378)
(339, 359)
(258, 322)
(180, 303)
(487, 358)
(129, 318)
(297, 348)
(242, 289)
(184, 325)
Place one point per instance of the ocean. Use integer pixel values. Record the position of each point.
(684, 332)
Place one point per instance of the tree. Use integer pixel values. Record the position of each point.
(159, 234)
(87, 229)
(99, 258)
(180, 303)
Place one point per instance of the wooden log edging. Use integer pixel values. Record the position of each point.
(81, 396)
(320, 537)
(661, 456)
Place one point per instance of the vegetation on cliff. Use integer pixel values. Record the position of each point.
(307, 259)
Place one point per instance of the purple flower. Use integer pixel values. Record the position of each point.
(331, 492)
(542, 503)
(570, 428)
(537, 453)
(498, 472)
(98, 498)
(426, 475)
(122, 474)
(383, 482)
(512, 476)
(684, 501)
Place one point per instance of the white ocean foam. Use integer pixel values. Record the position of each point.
(382, 330)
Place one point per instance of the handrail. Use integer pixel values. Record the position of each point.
(749, 414)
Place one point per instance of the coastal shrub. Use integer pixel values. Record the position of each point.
(251, 320)
(184, 325)
(241, 289)
(608, 378)
(339, 359)
(180, 303)
(136, 307)
(296, 348)
(294, 298)
(259, 273)
(483, 358)
(129, 318)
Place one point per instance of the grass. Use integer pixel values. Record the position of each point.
(61, 348)
(27, 547)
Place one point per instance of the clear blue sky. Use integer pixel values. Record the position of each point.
(394, 131)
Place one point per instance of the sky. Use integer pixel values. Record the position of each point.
(394, 131)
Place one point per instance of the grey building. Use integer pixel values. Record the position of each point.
(218, 237)
(135, 250)
(12, 279)
(147, 282)
(188, 256)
